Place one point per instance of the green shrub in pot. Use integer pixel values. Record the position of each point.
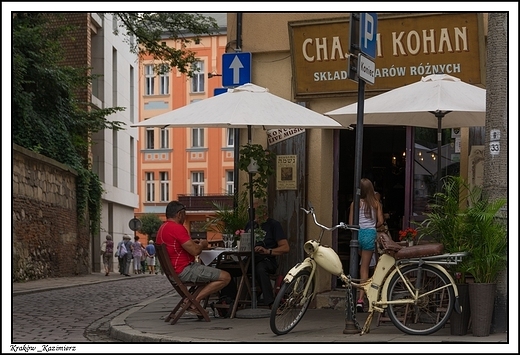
(228, 220)
(446, 222)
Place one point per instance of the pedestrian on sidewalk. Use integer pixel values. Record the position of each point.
(120, 259)
(150, 260)
(125, 254)
(138, 252)
(144, 256)
(108, 254)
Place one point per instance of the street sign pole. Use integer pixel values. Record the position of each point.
(362, 41)
(350, 327)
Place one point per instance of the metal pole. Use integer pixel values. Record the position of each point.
(350, 326)
(439, 116)
(239, 33)
(252, 228)
(236, 152)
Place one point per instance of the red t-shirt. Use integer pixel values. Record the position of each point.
(173, 235)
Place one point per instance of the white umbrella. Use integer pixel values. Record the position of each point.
(242, 107)
(436, 101)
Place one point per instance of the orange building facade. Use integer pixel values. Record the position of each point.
(193, 165)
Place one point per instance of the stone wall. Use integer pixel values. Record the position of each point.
(48, 239)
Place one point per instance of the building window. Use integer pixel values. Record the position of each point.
(197, 183)
(150, 187)
(197, 137)
(164, 80)
(115, 158)
(230, 185)
(149, 79)
(115, 25)
(197, 81)
(165, 138)
(149, 138)
(165, 186)
(230, 137)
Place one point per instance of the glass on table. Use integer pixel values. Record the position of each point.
(228, 240)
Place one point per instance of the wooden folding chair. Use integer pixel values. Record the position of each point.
(187, 290)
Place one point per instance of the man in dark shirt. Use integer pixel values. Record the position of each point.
(274, 243)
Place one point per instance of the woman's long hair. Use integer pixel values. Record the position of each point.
(369, 196)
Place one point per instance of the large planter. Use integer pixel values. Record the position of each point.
(482, 302)
(459, 322)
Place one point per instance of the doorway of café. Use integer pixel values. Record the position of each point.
(384, 163)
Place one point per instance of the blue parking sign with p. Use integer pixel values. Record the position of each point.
(368, 34)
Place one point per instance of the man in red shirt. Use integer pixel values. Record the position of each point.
(182, 251)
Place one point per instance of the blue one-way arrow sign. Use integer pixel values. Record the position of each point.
(236, 68)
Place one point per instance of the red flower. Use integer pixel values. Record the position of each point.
(408, 234)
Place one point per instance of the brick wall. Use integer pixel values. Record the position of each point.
(76, 45)
(48, 241)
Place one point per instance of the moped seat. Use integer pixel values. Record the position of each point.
(401, 252)
(419, 251)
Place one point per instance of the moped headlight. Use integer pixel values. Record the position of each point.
(310, 246)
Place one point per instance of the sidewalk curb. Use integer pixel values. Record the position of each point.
(118, 329)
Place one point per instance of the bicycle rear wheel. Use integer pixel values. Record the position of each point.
(434, 302)
(289, 305)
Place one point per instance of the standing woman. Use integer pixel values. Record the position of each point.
(108, 254)
(370, 218)
(138, 252)
(150, 260)
(126, 257)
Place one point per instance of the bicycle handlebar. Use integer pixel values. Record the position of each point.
(340, 225)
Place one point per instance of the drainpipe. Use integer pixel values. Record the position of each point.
(239, 32)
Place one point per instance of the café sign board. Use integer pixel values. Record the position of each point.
(408, 47)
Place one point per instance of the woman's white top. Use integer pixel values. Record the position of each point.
(366, 222)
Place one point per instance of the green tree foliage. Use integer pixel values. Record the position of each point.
(150, 223)
(46, 114)
(151, 29)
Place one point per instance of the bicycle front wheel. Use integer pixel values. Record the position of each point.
(433, 305)
(290, 304)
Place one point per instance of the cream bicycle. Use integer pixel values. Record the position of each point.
(410, 283)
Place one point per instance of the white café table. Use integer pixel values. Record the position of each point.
(208, 255)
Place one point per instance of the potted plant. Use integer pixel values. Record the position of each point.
(408, 235)
(228, 220)
(446, 224)
(463, 219)
(264, 162)
(253, 157)
(487, 234)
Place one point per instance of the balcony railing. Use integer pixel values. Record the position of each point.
(205, 202)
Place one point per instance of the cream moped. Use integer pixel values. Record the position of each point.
(410, 283)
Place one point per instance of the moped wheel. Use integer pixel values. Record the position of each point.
(289, 305)
(433, 305)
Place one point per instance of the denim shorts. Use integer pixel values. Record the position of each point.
(196, 272)
(367, 239)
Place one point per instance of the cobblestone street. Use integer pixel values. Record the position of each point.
(80, 314)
